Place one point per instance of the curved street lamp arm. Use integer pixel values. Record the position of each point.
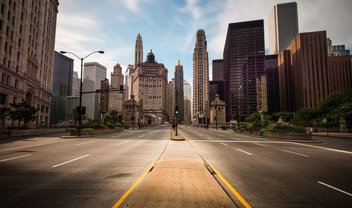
(92, 53)
(63, 52)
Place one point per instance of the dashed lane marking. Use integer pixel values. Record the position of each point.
(243, 151)
(223, 143)
(69, 161)
(332, 187)
(84, 143)
(14, 158)
(295, 153)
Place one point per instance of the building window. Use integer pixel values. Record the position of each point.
(2, 99)
(16, 83)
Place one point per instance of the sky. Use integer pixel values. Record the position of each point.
(168, 27)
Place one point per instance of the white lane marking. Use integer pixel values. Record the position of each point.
(324, 148)
(122, 143)
(84, 143)
(295, 153)
(259, 144)
(223, 143)
(247, 141)
(337, 189)
(236, 138)
(244, 151)
(209, 138)
(54, 166)
(14, 158)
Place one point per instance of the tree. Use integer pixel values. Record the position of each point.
(113, 118)
(336, 107)
(22, 112)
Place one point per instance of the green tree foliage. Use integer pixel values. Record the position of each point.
(22, 112)
(335, 108)
(285, 116)
(113, 119)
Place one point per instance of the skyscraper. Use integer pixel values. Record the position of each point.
(218, 70)
(243, 63)
(304, 79)
(179, 94)
(283, 26)
(27, 40)
(200, 79)
(115, 96)
(138, 55)
(62, 87)
(94, 73)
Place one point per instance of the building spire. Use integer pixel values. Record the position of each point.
(138, 56)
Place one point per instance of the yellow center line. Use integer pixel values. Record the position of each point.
(232, 189)
(125, 195)
(222, 178)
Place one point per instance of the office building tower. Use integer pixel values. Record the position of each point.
(187, 92)
(283, 26)
(75, 84)
(272, 85)
(138, 54)
(93, 74)
(116, 98)
(303, 72)
(216, 88)
(218, 71)
(27, 40)
(149, 89)
(128, 82)
(200, 79)
(179, 102)
(187, 110)
(340, 73)
(170, 99)
(340, 50)
(62, 87)
(243, 63)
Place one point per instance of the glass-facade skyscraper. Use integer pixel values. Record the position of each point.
(243, 63)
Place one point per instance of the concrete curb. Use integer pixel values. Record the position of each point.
(173, 137)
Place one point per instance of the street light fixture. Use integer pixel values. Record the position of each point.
(81, 86)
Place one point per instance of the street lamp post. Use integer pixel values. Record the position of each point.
(81, 86)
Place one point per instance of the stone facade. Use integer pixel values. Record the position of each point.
(27, 40)
(149, 84)
(200, 79)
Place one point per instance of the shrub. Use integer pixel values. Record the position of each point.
(261, 132)
(73, 131)
(224, 127)
(88, 131)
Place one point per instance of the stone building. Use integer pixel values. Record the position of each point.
(200, 79)
(149, 85)
(217, 112)
(131, 113)
(27, 40)
(115, 96)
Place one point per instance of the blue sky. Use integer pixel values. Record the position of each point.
(168, 27)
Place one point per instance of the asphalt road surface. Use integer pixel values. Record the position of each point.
(271, 173)
(81, 172)
(49, 171)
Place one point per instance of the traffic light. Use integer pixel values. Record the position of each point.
(83, 110)
(78, 110)
(121, 88)
(176, 110)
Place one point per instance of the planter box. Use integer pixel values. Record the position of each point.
(289, 136)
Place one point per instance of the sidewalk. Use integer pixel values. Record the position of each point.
(333, 134)
(34, 132)
(179, 179)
